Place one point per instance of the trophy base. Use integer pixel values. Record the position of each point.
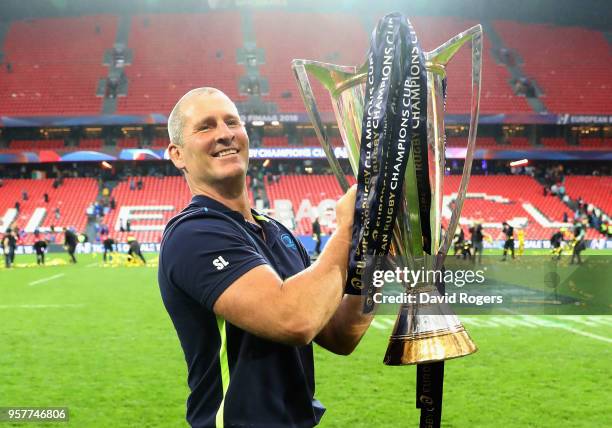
(408, 349)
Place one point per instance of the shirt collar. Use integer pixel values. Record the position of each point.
(208, 202)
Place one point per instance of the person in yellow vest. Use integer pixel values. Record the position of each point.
(521, 242)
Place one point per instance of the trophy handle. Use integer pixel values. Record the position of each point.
(323, 72)
(437, 60)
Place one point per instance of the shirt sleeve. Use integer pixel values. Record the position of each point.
(203, 257)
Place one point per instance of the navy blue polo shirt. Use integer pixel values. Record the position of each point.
(236, 378)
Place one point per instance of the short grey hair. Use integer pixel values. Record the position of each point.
(176, 120)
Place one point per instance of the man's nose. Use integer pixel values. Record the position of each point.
(224, 133)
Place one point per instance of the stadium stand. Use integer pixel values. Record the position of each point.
(497, 95)
(518, 190)
(72, 198)
(163, 197)
(275, 142)
(56, 64)
(347, 43)
(54, 72)
(570, 64)
(127, 143)
(298, 188)
(483, 203)
(594, 190)
(593, 143)
(481, 142)
(491, 199)
(164, 66)
(91, 144)
(555, 143)
(342, 35)
(160, 142)
(156, 192)
(36, 144)
(518, 143)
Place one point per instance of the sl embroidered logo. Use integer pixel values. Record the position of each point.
(220, 263)
(288, 241)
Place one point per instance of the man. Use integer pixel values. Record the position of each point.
(555, 241)
(134, 250)
(40, 248)
(508, 231)
(578, 243)
(70, 243)
(109, 247)
(477, 238)
(9, 245)
(245, 304)
(458, 241)
(316, 235)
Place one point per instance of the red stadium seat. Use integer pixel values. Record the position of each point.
(72, 198)
(56, 64)
(164, 65)
(570, 64)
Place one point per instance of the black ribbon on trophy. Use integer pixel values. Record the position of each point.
(395, 118)
(394, 122)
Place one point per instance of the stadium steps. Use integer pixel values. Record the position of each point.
(123, 30)
(571, 64)
(4, 26)
(515, 71)
(254, 103)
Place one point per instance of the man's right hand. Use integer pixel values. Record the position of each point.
(345, 209)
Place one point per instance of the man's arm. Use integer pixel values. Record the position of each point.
(293, 311)
(344, 331)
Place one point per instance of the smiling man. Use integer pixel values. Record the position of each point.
(239, 287)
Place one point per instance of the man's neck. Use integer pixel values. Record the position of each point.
(237, 200)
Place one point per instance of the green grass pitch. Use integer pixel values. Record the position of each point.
(98, 340)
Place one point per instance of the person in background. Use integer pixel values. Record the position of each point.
(578, 243)
(40, 248)
(109, 247)
(555, 241)
(134, 250)
(458, 241)
(9, 245)
(70, 243)
(521, 242)
(316, 235)
(477, 237)
(508, 232)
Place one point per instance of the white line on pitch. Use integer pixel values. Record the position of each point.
(386, 320)
(91, 264)
(376, 324)
(50, 278)
(584, 333)
(40, 306)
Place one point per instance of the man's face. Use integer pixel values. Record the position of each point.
(215, 143)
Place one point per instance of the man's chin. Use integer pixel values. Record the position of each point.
(231, 177)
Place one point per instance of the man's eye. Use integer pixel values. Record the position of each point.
(204, 128)
(233, 123)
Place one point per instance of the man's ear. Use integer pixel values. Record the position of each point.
(176, 156)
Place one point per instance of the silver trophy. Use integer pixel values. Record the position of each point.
(422, 333)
